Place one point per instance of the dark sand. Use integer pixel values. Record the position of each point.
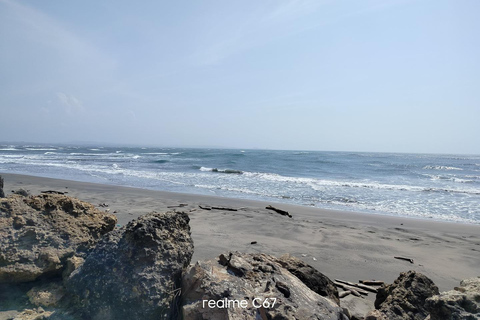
(344, 245)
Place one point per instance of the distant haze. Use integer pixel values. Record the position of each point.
(373, 75)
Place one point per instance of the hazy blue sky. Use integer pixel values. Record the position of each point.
(372, 75)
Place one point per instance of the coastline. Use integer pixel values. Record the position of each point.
(340, 244)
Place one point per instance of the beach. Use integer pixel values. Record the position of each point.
(342, 245)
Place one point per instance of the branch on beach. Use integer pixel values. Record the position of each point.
(357, 285)
(218, 208)
(223, 208)
(343, 294)
(181, 205)
(280, 211)
(372, 282)
(356, 292)
(53, 192)
(406, 259)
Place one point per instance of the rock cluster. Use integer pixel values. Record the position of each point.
(39, 233)
(461, 303)
(405, 298)
(135, 272)
(62, 254)
(257, 286)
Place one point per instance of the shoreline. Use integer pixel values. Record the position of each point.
(340, 244)
(174, 195)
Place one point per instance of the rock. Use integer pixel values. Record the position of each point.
(405, 298)
(73, 263)
(40, 233)
(311, 277)
(251, 286)
(2, 194)
(357, 307)
(33, 314)
(461, 303)
(135, 271)
(21, 192)
(48, 295)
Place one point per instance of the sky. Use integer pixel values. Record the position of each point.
(333, 75)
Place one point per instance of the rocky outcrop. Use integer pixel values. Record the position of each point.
(47, 295)
(39, 233)
(311, 277)
(135, 271)
(2, 194)
(461, 303)
(404, 299)
(255, 286)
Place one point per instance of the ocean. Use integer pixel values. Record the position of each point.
(428, 186)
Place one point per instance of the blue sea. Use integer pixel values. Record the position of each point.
(431, 186)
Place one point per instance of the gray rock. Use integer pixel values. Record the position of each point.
(404, 299)
(2, 194)
(40, 233)
(135, 272)
(21, 192)
(461, 303)
(358, 307)
(311, 277)
(237, 285)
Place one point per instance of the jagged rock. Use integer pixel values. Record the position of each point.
(73, 263)
(243, 282)
(48, 295)
(461, 303)
(39, 233)
(404, 299)
(311, 277)
(135, 272)
(2, 194)
(33, 314)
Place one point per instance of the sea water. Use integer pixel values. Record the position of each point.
(440, 187)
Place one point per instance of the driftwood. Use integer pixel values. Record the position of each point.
(205, 208)
(406, 259)
(372, 282)
(360, 286)
(181, 205)
(355, 291)
(53, 192)
(365, 287)
(345, 282)
(225, 209)
(280, 211)
(343, 294)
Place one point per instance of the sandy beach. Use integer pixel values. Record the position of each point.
(344, 245)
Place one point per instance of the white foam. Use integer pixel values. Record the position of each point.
(441, 168)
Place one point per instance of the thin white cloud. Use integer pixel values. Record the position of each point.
(70, 103)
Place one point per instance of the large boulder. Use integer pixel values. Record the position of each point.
(135, 271)
(40, 233)
(461, 303)
(254, 286)
(404, 299)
